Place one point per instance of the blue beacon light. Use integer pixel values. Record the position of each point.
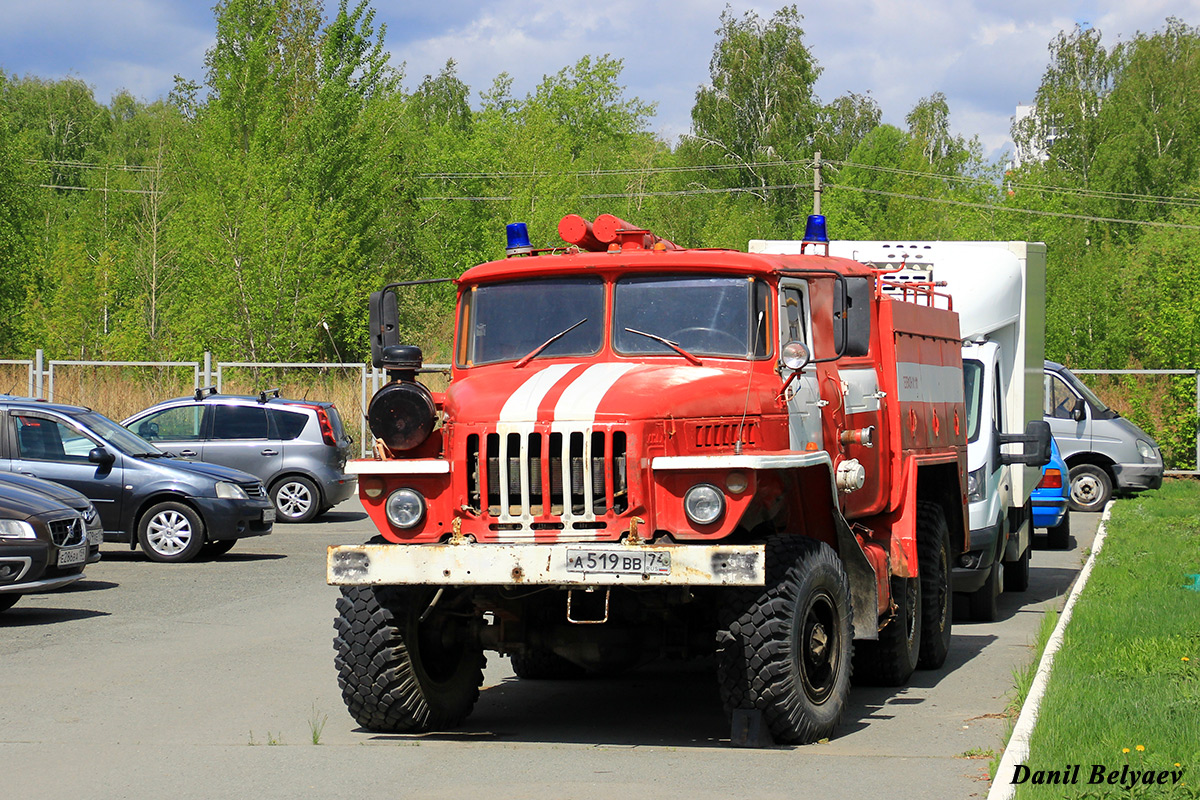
(518, 240)
(814, 231)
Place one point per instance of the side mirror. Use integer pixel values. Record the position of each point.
(98, 455)
(1079, 411)
(384, 321)
(1036, 441)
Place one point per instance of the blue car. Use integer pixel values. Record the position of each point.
(1050, 498)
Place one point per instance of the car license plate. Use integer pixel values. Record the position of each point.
(76, 555)
(96, 536)
(268, 515)
(619, 562)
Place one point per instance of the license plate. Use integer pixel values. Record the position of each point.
(96, 536)
(268, 515)
(618, 562)
(76, 555)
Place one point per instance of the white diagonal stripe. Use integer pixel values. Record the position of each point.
(581, 399)
(522, 405)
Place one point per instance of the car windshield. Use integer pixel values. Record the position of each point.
(973, 394)
(537, 318)
(705, 315)
(121, 438)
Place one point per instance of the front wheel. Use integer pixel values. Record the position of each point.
(787, 650)
(219, 547)
(1016, 573)
(1091, 488)
(399, 673)
(171, 532)
(296, 499)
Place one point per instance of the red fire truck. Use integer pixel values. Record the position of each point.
(646, 452)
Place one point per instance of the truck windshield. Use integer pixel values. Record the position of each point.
(706, 315)
(509, 321)
(973, 395)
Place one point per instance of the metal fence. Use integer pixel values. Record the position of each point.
(1166, 402)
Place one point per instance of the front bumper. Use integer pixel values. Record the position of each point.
(235, 519)
(1138, 477)
(29, 569)
(547, 565)
(983, 547)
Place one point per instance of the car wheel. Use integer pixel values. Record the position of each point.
(219, 547)
(7, 601)
(296, 499)
(1059, 537)
(1091, 488)
(171, 532)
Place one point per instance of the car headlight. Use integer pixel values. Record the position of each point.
(704, 504)
(230, 491)
(976, 484)
(1146, 450)
(16, 529)
(405, 508)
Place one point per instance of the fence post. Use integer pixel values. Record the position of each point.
(38, 376)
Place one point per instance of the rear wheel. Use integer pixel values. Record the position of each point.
(398, 672)
(296, 499)
(171, 532)
(1059, 536)
(787, 649)
(933, 560)
(1091, 488)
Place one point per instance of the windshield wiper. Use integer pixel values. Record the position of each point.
(533, 353)
(673, 345)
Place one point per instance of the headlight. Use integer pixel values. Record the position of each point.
(405, 508)
(16, 529)
(704, 504)
(230, 491)
(976, 484)
(1146, 450)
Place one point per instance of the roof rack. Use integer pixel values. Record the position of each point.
(205, 391)
(267, 394)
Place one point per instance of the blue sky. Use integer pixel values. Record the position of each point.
(986, 57)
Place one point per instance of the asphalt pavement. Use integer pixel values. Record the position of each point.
(212, 680)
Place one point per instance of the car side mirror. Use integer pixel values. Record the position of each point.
(98, 455)
(1079, 411)
(1036, 441)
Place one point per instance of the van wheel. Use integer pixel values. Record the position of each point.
(1016, 573)
(1091, 488)
(296, 499)
(171, 532)
(983, 605)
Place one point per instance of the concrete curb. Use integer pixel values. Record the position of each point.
(1018, 744)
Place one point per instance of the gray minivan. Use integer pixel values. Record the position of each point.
(1105, 452)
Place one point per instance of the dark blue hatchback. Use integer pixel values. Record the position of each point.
(172, 509)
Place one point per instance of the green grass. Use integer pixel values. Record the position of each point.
(1128, 673)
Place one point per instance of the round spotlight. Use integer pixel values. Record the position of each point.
(736, 482)
(796, 355)
(704, 504)
(405, 508)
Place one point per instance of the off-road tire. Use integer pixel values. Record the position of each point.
(400, 675)
(937, 597)
(786, 649)
(1058, 537)
(892, 658)
(536, 664)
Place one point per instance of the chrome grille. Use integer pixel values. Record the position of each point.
(571, 476)
(253, 489)
(67, 532)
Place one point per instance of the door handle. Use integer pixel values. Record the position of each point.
(188, 453)
(29, 474)
(270, 452)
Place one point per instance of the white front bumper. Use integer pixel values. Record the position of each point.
(539, 565)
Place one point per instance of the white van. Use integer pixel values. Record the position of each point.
(1104, 451)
